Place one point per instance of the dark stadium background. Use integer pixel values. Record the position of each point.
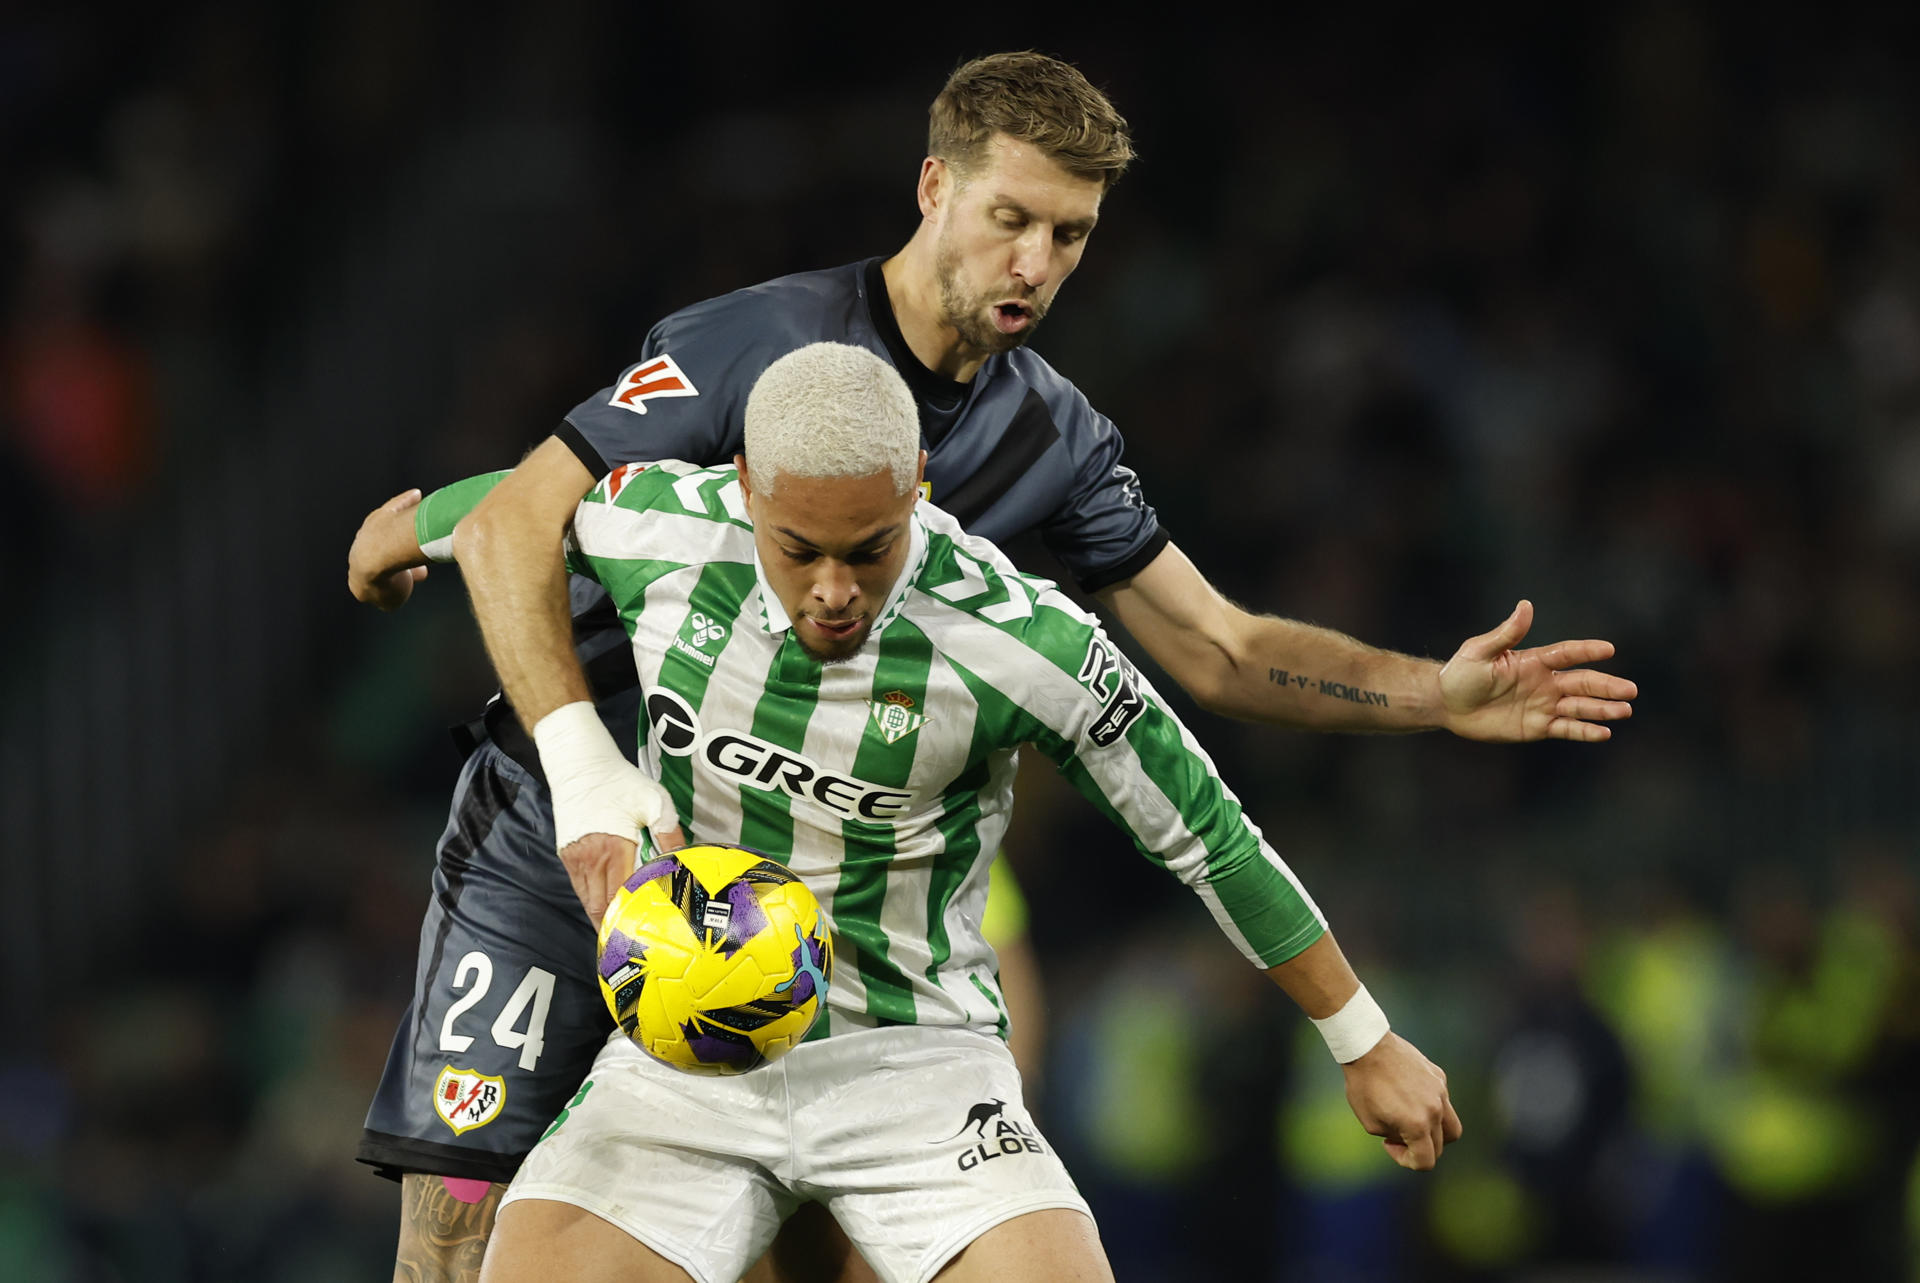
(1406, 314)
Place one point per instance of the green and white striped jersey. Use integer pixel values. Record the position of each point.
(886, 781)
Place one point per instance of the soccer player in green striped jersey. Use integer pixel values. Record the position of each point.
(839, 676)
(1022, 151)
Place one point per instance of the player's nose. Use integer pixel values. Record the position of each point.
(833, 585)
(1032, 258)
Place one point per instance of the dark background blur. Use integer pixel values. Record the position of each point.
(1405, 317)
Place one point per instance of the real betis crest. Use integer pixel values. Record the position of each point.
(893, 714)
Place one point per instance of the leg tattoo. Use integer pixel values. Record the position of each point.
(443, 1229)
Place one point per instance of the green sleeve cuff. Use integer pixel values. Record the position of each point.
(441, 511)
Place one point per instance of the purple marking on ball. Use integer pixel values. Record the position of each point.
(710, 1050)
(650, 870)
(802, 985)
(620, 948)
(748, 919)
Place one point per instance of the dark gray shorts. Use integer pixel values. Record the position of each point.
(506, 1015)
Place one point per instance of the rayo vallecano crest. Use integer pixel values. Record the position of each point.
(465, 1099)
(893, 714)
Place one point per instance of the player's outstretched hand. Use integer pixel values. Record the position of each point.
(599, 863)
(385, 541)
(1401, 1096)
(1495, 693)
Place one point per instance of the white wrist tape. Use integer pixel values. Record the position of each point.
(1355, 1029)
(594, 788)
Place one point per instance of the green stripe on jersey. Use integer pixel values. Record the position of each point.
(717, 594)
(993, 998)
(999, 723)
(624, 580)
(957, 576)
(858, 902)
(781, 717)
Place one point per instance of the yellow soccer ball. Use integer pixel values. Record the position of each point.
(715, 959)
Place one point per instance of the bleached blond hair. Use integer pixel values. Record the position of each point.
(831, 410)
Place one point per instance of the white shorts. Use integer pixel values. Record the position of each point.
(915, 1138)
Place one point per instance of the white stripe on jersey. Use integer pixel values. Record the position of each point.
(614, 532)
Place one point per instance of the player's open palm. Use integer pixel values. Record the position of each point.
(1401, 1096)
(1495, 693)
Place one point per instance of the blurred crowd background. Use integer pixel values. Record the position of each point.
(1406, 315)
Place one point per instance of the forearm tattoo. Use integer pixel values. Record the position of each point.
(1333, 690)
(442, 1238)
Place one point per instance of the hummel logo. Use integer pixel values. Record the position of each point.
(699, 632)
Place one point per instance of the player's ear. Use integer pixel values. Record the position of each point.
(920, 477)
(936, 180)
(740, 464)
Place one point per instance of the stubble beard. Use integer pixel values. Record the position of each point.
(967, 317)
(840, 653)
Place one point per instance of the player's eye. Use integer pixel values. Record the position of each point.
(868, 556)
(799, 556)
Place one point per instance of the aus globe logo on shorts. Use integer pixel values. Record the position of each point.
(697, 635)
(991, 1134)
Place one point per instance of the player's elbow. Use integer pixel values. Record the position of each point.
(500, 523)
(474, 538)
(1212, 669)
(1212, 687)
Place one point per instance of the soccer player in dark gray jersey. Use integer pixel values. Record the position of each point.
(1017, 448)
(1021, 153)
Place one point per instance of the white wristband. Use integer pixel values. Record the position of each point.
(1355, 1029)
(594, 788)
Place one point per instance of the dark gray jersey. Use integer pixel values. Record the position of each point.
(1017, 449)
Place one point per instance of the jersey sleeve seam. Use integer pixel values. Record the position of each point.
(1131, 565)
(583, 449)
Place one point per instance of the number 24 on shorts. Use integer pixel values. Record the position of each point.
(530, 1001)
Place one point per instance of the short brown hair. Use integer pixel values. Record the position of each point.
(1035, 99)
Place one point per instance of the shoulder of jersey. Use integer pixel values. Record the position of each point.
(1066, 404)
(669, 484)
(784, 312)
(1038, 373)
(967, 571)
